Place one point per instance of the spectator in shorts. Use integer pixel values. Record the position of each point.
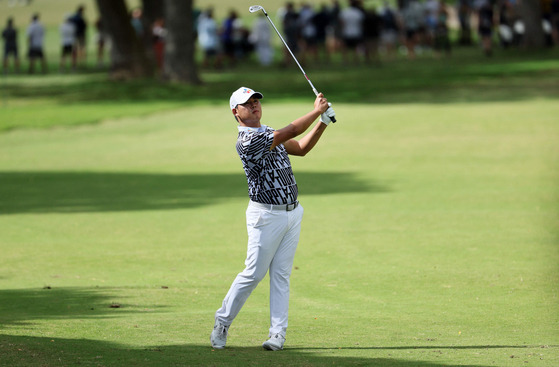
(228, 37)
(308, 32)
(371, 34)
(81, 28)
(35, 38)
(260, 37)
(158, 34)
(101, 39)
(389, 30)
(485, 27)
(290, 22)
(323, 22)
(67, 39)
(209, 39)
(9, 35)
(351, 20)
(414, 26)
(442, 41)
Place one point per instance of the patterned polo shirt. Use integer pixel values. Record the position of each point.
(269, 175)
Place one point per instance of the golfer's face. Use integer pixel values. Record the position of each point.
(250, 111)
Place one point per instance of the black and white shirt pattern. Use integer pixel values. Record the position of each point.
(269, 175)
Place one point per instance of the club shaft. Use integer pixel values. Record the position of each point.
(292, 55)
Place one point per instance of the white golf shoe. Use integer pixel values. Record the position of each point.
(274, 343)
(219, 335)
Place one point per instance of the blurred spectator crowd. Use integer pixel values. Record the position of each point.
(357, 33)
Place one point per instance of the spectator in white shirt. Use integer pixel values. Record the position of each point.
(67, 40)
(35, 38)
(351, 20)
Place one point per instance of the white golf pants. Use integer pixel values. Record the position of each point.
(272, 240)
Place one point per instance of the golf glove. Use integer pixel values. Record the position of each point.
(326, 117)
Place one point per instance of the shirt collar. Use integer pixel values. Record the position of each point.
(260, 129)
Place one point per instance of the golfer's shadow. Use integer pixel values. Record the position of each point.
(59, 191)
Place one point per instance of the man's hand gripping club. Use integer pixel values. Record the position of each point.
(328, 116)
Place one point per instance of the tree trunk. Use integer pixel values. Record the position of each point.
(179, 63)
(532, 16)
(152, 10)
(129, 58)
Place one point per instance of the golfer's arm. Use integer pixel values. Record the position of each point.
(295, 128)
(303, 146)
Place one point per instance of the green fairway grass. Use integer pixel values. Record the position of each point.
(431, 223)
(430, 239)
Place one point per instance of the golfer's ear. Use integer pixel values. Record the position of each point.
(234, 111)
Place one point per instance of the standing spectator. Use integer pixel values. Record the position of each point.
(290, 21)
(241, 37)
(442, 41)
(464, 12)
(371, 33)
(260, 37)
(158, 33)
(9, 35)
(351, 21)
(412, 16)
(555, 21)
(67, 40)
(209, 39)
(485, 27)
(322, 22)
(101, 38)
(334, 32)
(389, 29)
(432, 8)
(137, 22)
(227, 42)
(81, 28)
(308, 32)
(35, 38)
(505, 32)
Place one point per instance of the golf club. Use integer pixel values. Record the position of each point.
(254, 9)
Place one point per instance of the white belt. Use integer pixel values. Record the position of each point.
(284, 207)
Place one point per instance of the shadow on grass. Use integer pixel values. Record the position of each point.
(25, 351)
(70, 192)
(22, 306)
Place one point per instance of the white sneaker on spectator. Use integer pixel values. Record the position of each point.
(219, 335)
(274, 343)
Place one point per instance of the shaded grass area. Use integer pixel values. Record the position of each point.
(70, 352)
(27, 307)
(68, 192)
(53, 100)
(30, 307)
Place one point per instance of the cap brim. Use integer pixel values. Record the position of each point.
(249, 96)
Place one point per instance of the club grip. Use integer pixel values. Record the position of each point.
(333, 119)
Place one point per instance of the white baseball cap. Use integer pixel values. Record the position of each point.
(242, 95)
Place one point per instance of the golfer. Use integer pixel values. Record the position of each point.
(273, 215)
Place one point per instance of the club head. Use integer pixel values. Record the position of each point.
(255, 8)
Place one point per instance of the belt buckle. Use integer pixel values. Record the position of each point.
(290, 207)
